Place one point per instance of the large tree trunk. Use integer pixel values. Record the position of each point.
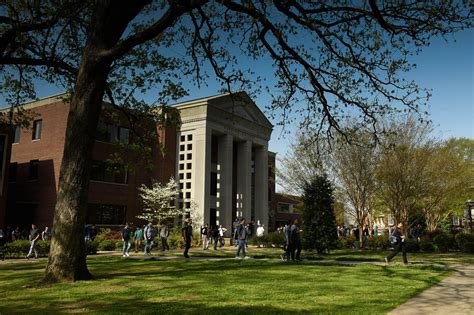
(67, 256)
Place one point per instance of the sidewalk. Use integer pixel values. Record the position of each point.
(453, 295)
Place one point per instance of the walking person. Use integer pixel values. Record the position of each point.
(138, 238)
(187, 233)
(33, 237)
(295, 241)
(287, 247)
(46, 234)
(222, 231)
(242, 234)
(398, 241)
(126, 234)
(149, 234)
(215, 235)
(164, 233)
(205, 236)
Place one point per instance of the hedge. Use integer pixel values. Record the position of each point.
(465, 242)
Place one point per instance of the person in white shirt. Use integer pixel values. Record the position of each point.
(260, 230)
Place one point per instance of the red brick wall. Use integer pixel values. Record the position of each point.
(41, 193)
(3, 194)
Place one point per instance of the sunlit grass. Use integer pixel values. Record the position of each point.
(215, 287)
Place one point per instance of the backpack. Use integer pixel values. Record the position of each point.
(392, 239)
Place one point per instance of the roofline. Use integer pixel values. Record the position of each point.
(41, 101)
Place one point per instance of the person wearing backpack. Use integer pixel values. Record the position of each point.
(398, 241)
(295, 241)
(126, 235)
(138, 238)
(242, 234)
(187, 233)
(149, 235)
(164, 233)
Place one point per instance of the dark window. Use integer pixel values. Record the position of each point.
(183, 138)
(181, 147)
(111, 133)
(188, 175)
(181, 176)
(188, 185)
(104, 172)
(12, 172)
(16, 135)
(190, 137)
(188, 195)
(188, 166)
(187, 205)
(190, 156)
(180, 195)
(181, 157)
(181, 166)
(181, 185)
(106, 214)
(33, 173)
(213, 216)
(123, 135)
(37, 126)
(180, 205)
(213, 184)
(190, 146)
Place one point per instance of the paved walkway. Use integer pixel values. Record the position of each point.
(453, 295)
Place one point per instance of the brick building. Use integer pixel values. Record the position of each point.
(218, 155)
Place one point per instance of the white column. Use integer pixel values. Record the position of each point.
(202, 175)
(261, 185)
(244, 180)
(224, 180)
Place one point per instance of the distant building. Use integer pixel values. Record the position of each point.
(285, 209)
(219, 155)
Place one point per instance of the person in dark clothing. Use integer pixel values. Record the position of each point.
(399, 246)
(164, 233)
(215, 235)
(187, 233)
(295, 241)
(126, 235)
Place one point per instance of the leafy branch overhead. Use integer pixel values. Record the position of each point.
(331, 59)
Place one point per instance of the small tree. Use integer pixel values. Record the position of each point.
(318, 215)
(159, 201)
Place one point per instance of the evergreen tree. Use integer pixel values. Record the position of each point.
(318, 215)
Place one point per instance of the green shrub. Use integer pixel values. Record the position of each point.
(346, 242)
(465, 242)
(378, 242)
(427, 245)
(262, 241)
(442, 241)
(107, 245)
(92, 247)
(277, 239)
(21, 247)
(412, 246)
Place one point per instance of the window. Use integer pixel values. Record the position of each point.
(37, 125)
(181, 185)
(181, 147)
(188, 195)
(110, 133)
(190, 146)
(16, 134)
(213, 184)
(33, 173)
(106, 214)
(188, 185)
(181, 166)
(190, 156)
(188, 166)
(181, 176)
(190, 137)
(109, 173)
(181, 157)
(188, 175)
(283, 208)
(183, 138)
(180, 205)
(187, 205)
(180, 195)
(12, 172)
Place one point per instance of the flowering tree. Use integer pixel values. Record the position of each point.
(159, 201)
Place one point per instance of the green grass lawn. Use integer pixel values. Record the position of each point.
(255, 286)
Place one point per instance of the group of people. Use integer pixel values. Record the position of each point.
(146, 236)
(212, 235)
(34, 234)
(292, 248)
